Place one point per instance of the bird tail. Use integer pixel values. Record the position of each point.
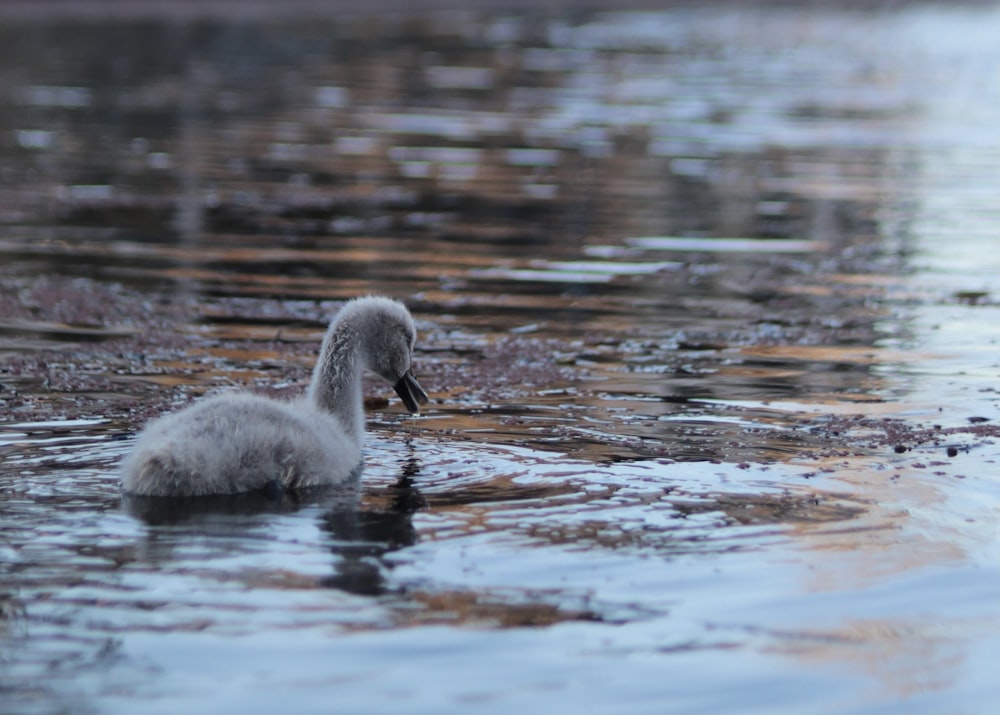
(158, 474)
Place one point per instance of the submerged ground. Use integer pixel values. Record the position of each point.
(708, 311)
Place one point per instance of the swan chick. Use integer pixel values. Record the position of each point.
(241, 442)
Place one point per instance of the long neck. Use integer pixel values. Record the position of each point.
(336, 380)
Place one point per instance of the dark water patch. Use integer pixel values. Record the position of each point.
(168, 510)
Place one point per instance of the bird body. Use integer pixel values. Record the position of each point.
(242, 442)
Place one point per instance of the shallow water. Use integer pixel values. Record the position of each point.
(708, 310)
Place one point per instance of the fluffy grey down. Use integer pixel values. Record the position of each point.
(242, 442)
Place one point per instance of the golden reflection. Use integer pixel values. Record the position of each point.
(493, 610)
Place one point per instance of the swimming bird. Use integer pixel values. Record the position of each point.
(242, 442)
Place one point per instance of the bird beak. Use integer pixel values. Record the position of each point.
(410, 392)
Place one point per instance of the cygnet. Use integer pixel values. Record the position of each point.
(242, 442)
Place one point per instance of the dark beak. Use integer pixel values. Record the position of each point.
(410, 393)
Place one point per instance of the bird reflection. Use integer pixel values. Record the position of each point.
(362, 536)
(158, 510)
(363, 524)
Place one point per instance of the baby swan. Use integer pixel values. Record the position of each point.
(243, 442)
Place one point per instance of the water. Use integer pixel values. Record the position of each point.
(707, 304)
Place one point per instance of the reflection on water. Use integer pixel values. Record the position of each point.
(706, 302)
(362, 537)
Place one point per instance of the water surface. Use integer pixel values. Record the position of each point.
(707, 304)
